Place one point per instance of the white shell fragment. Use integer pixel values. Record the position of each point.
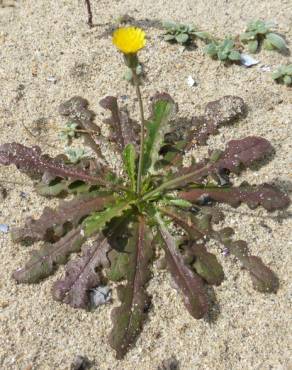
(100, 295)
(190, 81)
(247, 60)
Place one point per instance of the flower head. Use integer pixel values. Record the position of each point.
(129, 40)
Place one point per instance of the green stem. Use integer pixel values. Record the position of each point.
(176, 181)
(142, 134)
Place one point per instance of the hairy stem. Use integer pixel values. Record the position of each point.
(142, 133)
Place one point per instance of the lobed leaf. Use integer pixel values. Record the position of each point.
(268, 196)
(82, 275)
(190, 284)
(129, 317)
(124, 131)
(54, 222)
(76, 109)
(44, 262)
(98, 220)
(163, 107)
(32, 161)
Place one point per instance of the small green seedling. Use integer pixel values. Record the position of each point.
(75, 154)
(283, 75)
(224, 51)
(260, 33)
(68, 132)
(182, 33)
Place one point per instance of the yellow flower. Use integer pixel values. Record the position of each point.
(129, 40)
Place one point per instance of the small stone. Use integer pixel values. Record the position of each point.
(4, 228)
(100, 295)
(81, 363)
(169, 364)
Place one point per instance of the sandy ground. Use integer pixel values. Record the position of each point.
(48, 54)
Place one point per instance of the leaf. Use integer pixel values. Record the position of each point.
(98, 220)
(207, 265)
(163, 107)
(263, 278)
(266, 195)
(182, 38)
(243, 152)
(124, 131)
(277, 41)
(32, 161)
(44, 262)
(54, 221)
(253, 46)
(238, 153)
(129, 317)
(76, 108)
(190, 284)
(234, 55)
(223, 111)
(129, 157)
(82, 274)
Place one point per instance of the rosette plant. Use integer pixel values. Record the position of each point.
(116, 223)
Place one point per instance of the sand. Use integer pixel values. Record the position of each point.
(48, 54)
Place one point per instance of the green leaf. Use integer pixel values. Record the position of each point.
(203, 35)
(157, 126)
(169, 37)
(211, 49)
(267, 45)
(98, 220)
(178, 203)
(276, 41)
(207, 265)
(182, 38)
(129, 317)
(252, 46)
(287, 80)
(129, 157)
(234, 55)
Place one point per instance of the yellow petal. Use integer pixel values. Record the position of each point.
(129, 40)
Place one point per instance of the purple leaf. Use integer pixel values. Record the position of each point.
(124, 131)
(189, 283)
(52, 221)
(76, 109)
(32, 161)
(82, 275)
(129, 317)
(44, 262)
(265, 195)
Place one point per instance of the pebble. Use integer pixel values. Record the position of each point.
(4, 228)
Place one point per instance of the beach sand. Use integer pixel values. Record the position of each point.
(47, 55)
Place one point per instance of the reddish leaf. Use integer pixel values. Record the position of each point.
(52, 221)
(32, 161)
(265, 195)
(77, 110)
(124, 131)
(44, 262)
(129, 317)
(82, 275)
(190, 284)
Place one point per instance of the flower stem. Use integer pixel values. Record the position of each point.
(142, 133)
